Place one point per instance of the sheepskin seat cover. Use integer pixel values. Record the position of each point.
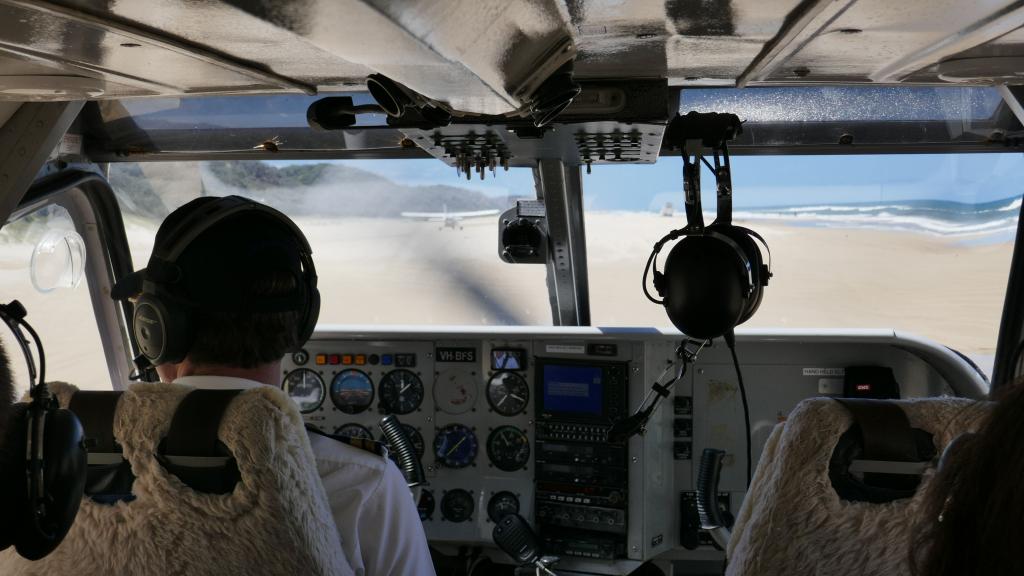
(276, 521)
(793, 522)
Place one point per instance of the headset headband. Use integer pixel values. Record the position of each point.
(13, 315)
(691, 194)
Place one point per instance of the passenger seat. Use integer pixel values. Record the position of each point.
(793, 521)
(189, 499)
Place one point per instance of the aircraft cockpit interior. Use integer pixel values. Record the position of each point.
(482, 287)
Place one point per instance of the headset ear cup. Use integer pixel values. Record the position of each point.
(703, 292)
(752, 253)
(64, 465)
(13, 491)
(163, 332)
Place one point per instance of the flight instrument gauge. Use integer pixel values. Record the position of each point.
(353, 430)
(352, 391)
(455, 394)
(508, 393)
(457, 505)
(414, 437)
(401, 392)
(508, 448)
(306, 388)
(502, 504)
(455, 446)
(426, 505)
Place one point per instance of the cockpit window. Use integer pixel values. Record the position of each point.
(394, 241)
(916, 243)
(41, 264)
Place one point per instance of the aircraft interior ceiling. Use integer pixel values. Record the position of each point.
(487, 57)
(523, 419)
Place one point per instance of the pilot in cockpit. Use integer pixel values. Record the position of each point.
(243, 271)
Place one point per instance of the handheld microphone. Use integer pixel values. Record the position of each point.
(636, 423)
(628, 427)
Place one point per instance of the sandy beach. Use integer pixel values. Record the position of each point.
(392, 271)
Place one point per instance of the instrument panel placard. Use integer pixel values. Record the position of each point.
(464, 355)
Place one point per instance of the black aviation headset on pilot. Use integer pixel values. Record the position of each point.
(42, 461)
(164, 322)
(714, 278)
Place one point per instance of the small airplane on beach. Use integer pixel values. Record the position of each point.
(448, 219)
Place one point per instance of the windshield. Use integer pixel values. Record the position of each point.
(394, 241)
(917, 243)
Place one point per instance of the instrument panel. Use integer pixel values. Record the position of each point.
(465, 404)
(508, 422)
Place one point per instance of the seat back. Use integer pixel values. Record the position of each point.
(275, 519)
(794, 522)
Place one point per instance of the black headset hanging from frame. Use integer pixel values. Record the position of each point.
(714, 277)
(44, 457)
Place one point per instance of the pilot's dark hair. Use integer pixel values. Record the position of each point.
(973, 517)
(248, 339)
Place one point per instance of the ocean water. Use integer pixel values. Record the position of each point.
(990, 221)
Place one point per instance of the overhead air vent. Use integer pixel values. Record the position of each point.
(477, 149)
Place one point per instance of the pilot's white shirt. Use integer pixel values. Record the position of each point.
(374, 512)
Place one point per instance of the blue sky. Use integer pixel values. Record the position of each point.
(759, 180)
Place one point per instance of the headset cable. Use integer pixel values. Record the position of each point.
(730, 341)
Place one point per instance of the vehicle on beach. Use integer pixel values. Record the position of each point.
(860, 159)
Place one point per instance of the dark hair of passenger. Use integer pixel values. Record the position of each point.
(973, 517)
(247, 340)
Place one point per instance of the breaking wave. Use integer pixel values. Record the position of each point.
(931, 216)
